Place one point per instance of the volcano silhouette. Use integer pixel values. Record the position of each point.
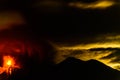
(76, 69)
(71, 68)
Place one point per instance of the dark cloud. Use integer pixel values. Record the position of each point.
(104, 48)
(116, 54)
(105, 56)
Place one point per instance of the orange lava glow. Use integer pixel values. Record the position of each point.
(8, 64)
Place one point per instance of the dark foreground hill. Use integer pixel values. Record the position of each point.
(69, 69)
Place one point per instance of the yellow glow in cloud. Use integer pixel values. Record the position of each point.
(102, 4)
(116, 37)
(83, 52)
(10, 18)
(97, 55)
(93, 45)
(110, 64)
(88, 55)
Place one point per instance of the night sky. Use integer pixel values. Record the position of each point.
(84, 29)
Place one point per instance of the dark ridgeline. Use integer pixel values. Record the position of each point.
(76, 69)
(3, 76)
(70, 69)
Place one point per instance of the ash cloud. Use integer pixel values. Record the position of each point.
(8, 19)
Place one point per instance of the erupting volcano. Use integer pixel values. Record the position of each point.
(9, 64)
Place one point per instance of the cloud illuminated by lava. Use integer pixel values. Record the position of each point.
(100, 4)
(104, 48)
(10, 18)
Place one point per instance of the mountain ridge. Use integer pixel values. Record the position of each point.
(71, 68)
(91, 69)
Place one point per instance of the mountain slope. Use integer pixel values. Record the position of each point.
(71, 68)
(76, 69)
